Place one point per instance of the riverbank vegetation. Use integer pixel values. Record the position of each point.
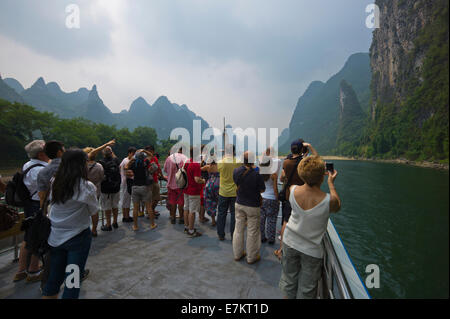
(20, 123)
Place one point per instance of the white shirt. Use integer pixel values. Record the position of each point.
(71, 218)
(122, 170)
(305, 229)
(30, 180)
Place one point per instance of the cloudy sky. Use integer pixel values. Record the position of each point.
(247, 60)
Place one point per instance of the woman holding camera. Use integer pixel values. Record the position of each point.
(302, 251)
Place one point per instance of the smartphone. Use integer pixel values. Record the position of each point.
(330, 167)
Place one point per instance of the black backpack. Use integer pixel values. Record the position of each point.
(111, 183)
(39, 228)
(17, 193)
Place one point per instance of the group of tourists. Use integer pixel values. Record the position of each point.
(75, 185)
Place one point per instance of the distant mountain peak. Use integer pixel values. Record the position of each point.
(40, 83)
(162, 100)
(93, 94)
(53, 85)
(16, 85)
(140, 100)
(139, 105)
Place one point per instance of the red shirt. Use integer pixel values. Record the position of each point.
(192, 170)
(155, 175)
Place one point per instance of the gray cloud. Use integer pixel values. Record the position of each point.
(41, 26)
(246, 60)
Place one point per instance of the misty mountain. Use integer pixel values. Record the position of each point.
(13, 83)
(316, 116)
(351, 120)
(9, 94)
(163, 115)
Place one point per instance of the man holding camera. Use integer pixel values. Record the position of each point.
(289, 176)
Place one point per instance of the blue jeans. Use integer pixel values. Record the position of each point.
(224, 204)
(75, 251)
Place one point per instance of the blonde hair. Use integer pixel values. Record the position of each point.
(311, 170)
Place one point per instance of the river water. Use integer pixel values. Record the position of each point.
(397, 217)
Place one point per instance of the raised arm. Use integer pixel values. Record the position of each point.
(311, 149)
(92, 154)
(335, 201)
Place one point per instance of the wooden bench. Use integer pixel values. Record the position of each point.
(13, 232)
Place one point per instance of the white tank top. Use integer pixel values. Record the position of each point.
(269, 193)
(305, 229)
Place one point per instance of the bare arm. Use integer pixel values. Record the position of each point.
(199, 180)
(311, 149)
(283, 176)
(335, 201)
(94, 152)
(274, 177)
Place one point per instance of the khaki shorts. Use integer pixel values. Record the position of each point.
(109, 201)
(141, 194)
(192, 203)
(156, 192)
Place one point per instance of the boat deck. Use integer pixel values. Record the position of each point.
(162, 263)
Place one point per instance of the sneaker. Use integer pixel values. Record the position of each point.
(186, 230)
(263, 240)
(106, 228)
(115, 225)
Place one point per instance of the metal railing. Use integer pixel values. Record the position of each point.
(333, 284)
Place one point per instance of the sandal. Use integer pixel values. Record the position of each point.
(20, 276)
(194, 234)
(153, 226)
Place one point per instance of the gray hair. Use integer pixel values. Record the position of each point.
(34, 148)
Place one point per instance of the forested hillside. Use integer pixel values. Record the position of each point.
(19, 124)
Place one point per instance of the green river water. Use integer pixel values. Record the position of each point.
(396, 216)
